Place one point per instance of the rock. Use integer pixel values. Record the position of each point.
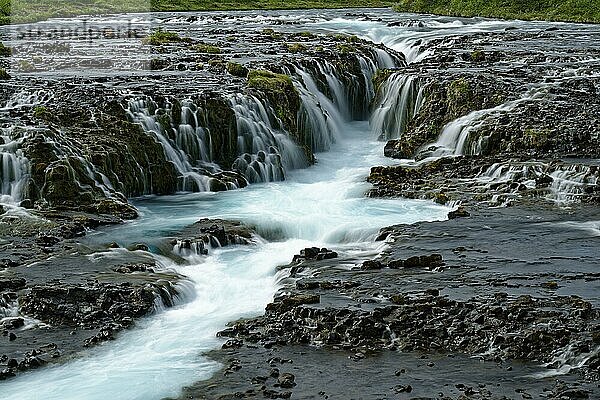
(370, 265)
(289, 302)
(315, 254)
(139, 247)
(12, 284)
(403, 389)
(286, 380)
(232, 344)
(460, 212)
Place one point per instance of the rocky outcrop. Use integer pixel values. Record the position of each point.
(205, 234)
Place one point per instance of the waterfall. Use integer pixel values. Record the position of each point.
(557, 182)
(189, 144)
(456, 137)
(14, 168)
(266, 151)
(398, 101)
(319, 117)
(263, 150)
(571, 182)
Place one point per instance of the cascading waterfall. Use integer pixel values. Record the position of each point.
(14, 167)
(319, 117)
(571, 182)
(456, 137)
(565, 183)
(191, 137)
(266, 152)
(399, 100)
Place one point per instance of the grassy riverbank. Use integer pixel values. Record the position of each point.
(26, 10)
(553, 10)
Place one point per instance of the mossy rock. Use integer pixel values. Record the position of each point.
(345, 49)
(42, 113)
(236, 69)
(5, 51)
(4, 76)
(207, 48)
(161, 37)
(271, 33)
(380, 77)
(296, 48)
(270, 81)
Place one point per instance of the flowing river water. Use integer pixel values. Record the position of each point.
(323, 205)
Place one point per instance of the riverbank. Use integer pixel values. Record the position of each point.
(547, 10)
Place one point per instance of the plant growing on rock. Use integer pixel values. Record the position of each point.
(207, 48)
(4, 50)
(161, 37)
(296, 48)
(236, 69)
(4, 76)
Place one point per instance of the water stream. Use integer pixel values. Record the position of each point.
(323, 205)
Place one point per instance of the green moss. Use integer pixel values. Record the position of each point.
(271, 33)
(26, 66)
(4, 50)
(4, 76)
(536, 137)
(380, 77)
(236, 69)
(208, 48)
(345, 49)
(307, 34)
(267, 80)
(477, 56)
(161, 37)
(296, 48)
(41, 112)
(346, 38)
(460, 97)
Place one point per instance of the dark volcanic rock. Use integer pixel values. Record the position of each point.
(314, 254)
(198, 238)
(91, 305)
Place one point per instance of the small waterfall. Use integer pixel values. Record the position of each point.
(399, 100)
(526, 173)
(456, 137)
(557, 182)
(182, 145)
(571, 182)
(266, 152)
(319, 117)
(14, 167)
(567, 360)
(8, 307)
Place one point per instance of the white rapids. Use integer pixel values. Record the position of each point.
(320, 206)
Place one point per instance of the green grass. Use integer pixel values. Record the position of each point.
(564, 10)
(30, 10)
(554, 10)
